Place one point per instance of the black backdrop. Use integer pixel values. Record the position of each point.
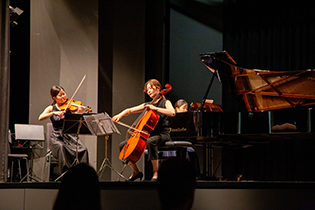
(20, 65)
(273, 35)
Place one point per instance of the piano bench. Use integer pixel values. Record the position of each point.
(178, 144)
(180, 147)
(170, 149)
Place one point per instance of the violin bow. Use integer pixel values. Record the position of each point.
(75, 92)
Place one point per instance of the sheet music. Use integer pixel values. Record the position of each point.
(101, 124)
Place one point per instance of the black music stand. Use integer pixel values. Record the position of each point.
(74, 124)
(30, 133)
(101, 124)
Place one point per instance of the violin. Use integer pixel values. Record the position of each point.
(137, 143)
(73, 106)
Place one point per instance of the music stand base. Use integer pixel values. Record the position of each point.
(102, 124)
(107, 163)
(75, 162)
(31, 176)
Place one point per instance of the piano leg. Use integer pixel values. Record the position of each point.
(211, 166)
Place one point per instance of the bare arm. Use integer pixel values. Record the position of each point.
(47, 113)
(128, 111)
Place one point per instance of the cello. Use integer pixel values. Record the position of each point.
(136, 144)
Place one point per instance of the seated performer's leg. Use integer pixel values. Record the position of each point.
(133, 166)
(121, 145)
(58, 151)
(64, 148)
(152, 146)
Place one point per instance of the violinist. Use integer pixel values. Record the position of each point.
(160, 134)
(62, 146)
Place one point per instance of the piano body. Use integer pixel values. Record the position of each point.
(278, 104)
(262, 90)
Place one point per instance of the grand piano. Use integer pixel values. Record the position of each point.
(278, 106)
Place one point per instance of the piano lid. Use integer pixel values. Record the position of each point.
(263, 90)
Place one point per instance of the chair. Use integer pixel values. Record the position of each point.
(17, 158)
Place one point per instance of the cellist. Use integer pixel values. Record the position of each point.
(160, 134)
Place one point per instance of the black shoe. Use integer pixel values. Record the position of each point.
(139, 175)
(154, 179)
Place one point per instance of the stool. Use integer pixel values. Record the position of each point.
(18, 158)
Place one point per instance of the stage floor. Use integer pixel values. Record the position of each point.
(143, 195)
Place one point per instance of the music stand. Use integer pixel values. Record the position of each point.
(99, 125)
(74, 124)
(29, 133)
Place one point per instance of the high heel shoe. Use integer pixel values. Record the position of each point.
(139, 175)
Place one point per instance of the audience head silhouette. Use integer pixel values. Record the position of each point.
(176, 183)
(79, 189)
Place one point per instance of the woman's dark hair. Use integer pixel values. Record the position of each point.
(54, 90)
(180, 102)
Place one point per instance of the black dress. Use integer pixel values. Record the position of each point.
(64, 146)
(160, 134)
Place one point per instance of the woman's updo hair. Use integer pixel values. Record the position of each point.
(152, 82)
(54, 90)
